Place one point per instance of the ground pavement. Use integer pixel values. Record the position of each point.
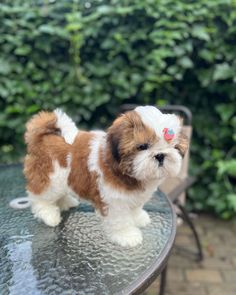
(216, 275)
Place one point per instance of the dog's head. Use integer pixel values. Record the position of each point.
(146, 144)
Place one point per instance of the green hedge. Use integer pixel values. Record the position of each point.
(90, 56)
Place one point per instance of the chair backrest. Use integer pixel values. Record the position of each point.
(170, 184)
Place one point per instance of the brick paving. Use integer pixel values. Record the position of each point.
(216, 275)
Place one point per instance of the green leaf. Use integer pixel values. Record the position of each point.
(228, 167)
(32, 109)
(200, 33)
(103, 9)
(5, 67)
(185, 62)
(207, 55)
(225, 111)
(24, 50)
(232, 200)
(222, 72)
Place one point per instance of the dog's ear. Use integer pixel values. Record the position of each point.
(113, 141)
(119, 135)
(183, 143)
(114, 134)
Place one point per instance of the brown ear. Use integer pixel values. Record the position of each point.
(113, 141)
(120, 134)
(113, 138)
(183, 143)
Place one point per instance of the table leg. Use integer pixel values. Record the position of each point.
(163, 281)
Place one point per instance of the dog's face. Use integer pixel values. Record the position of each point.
(146, 144)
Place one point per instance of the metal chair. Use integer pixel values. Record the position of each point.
(176, 188)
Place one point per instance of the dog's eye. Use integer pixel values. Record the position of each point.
(143, 146)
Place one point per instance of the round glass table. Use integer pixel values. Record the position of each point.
(75, 257)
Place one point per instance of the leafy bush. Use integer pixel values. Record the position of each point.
(90, 56)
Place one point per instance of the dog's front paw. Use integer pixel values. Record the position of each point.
(127, 237)
(141, 218)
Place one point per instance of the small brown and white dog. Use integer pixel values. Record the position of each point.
(117, 171)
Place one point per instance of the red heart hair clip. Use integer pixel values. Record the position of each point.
(168, 134)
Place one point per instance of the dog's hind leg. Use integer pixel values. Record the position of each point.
(45, 210)
(67, 202)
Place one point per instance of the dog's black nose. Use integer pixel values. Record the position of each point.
(160, 158)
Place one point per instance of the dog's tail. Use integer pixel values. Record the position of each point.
(45, 123)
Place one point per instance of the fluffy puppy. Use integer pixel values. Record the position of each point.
(117, 171)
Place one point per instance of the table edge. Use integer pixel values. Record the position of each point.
(149, 275)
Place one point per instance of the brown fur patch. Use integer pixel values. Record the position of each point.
(126, 133)
(43, 147)
(114, 176)
(81, 180)
(183, 143)
(39, 125)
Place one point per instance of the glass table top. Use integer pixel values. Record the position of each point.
(75, 257)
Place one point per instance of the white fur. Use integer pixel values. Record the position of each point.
(95, 144)
(55, 198)
(146, 167)
(125, 212)
(67, 202)
(68, 129)
(141, 218)
(154, 118)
